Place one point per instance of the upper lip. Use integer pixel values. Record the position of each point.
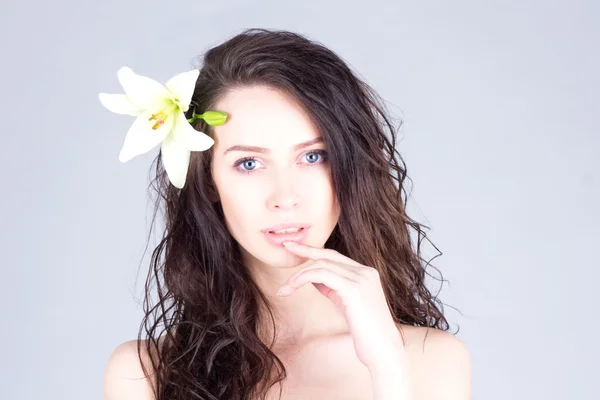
(284, 226)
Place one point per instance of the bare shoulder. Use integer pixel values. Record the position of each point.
(123, 374)
(428, 340)
(440, 363)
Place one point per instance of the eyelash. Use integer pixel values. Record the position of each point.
(322, 153)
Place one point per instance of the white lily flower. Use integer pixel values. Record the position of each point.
(160, 118)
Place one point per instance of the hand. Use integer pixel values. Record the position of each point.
(357, 292)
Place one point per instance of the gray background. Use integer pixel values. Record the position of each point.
(500, 103)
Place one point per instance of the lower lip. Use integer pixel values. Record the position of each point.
(277, 239)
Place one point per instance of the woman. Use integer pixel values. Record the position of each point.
(284, 136)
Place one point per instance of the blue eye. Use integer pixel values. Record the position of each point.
(246, 160)
(249, 161)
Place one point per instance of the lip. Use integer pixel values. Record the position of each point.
(277, 239)
(284, 226)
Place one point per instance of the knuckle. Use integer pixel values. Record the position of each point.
(370, 273)
(373, 272)
(330, 251)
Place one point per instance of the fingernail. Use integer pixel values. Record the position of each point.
(288, 244)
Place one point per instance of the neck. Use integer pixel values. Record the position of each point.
(297, 317)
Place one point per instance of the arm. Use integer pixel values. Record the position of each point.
(123, 375)
(392, 380)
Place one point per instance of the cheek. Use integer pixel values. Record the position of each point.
(321, 185)
(320, 200)
(240, 203)
(331, 201)
(236, 199)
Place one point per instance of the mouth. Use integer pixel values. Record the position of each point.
(277, 239)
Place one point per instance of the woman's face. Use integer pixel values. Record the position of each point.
(280, 184)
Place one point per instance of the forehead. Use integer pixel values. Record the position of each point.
(262, 116)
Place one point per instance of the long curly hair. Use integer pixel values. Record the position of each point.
(201, 330)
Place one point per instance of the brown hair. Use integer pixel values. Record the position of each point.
(207, 301)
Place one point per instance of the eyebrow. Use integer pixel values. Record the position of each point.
(255, 149)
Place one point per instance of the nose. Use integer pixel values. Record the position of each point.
(284, 196)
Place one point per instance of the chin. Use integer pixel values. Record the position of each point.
(270, 256)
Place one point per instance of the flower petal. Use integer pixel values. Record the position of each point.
(189, 137)
(141, 138)
(120, 104)
(142, 91)
(182, 87)
(176, 160)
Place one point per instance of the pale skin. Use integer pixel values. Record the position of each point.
(335, 333)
